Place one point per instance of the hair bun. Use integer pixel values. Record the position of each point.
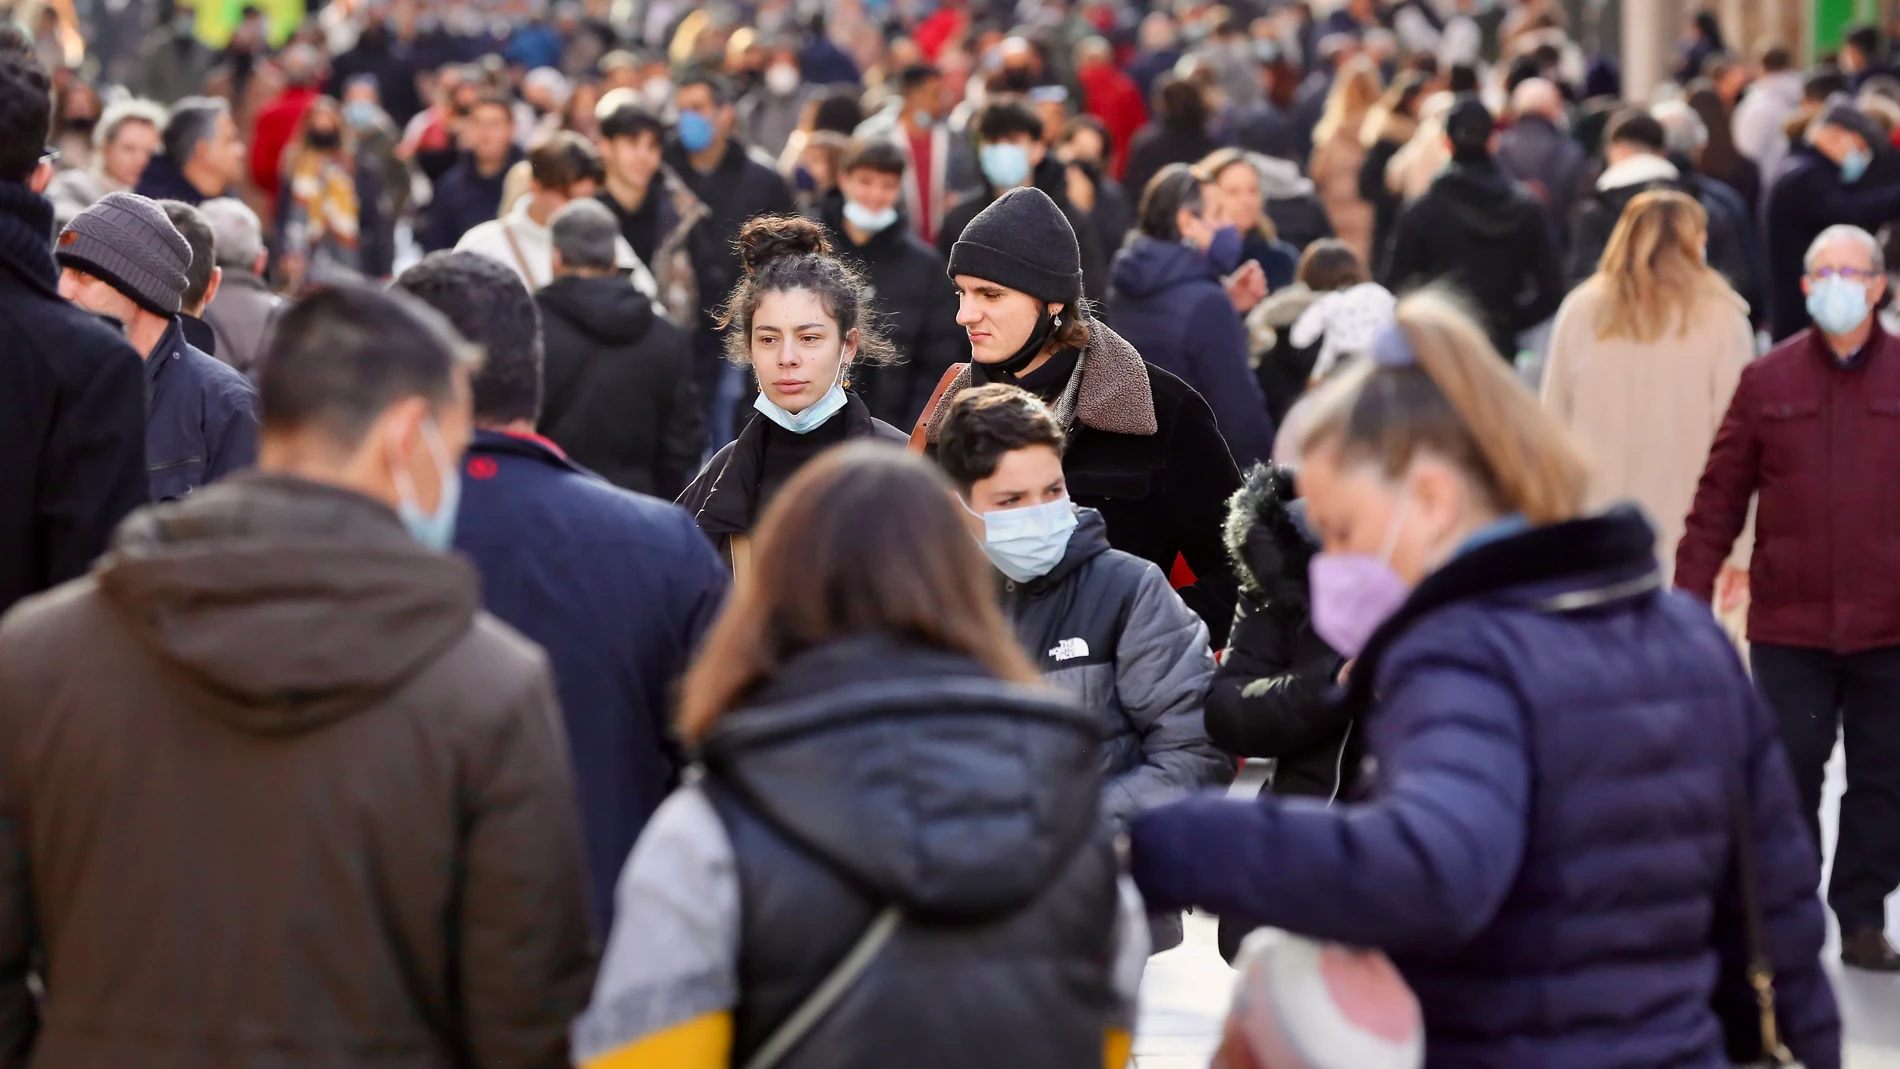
(774, 237)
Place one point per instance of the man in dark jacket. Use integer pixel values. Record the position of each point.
(1812, 432)
(1013, 156)
(1481, 233)
(72, 399)
(277, 672)
(470, 193)
(1170, 303)
(202, 278)
(916, 311)
(1823, 183)
(616, 587)
(735, 183)
(1101, 624)
(618, 393)
(203, 156)
(1144, 449)
(122, 258)
(1636, 154)
(1539, 153)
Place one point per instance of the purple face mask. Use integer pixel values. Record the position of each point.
(1353, 593)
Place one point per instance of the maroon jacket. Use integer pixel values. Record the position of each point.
(1820, 443)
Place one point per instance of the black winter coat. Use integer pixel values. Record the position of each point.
(1807, 198)
(463, 198)
(916, 308)
(739, 187)
(200, 418)
(1486, 236)
(1596, 215)
(973, 808)
(1385, 203)
(1052, 179)
(1145, 452)
(72, 414)
(618, 390)
(1155, 146)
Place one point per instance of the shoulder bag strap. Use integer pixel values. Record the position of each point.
(829, 990)
(1761, 970)
(920, 434)
(520, 260)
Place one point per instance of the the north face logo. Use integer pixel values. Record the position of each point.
(1069, 649)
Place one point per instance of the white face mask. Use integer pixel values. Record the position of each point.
(1028, 542)
(867, 220)
(782, 79)
(813, 417)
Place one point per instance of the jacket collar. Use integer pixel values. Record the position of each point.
(1114, 396)
(1560, 567)
(1637, 170)
(170, 347)
(26, 237)
(521, 444)
(1876, 343)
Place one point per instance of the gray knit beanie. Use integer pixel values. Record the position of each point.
(126, 240)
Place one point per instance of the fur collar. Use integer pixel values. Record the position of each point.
(1114, 396)
(1269, 553)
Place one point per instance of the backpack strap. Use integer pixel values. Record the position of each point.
(920, 434)
(520, 260)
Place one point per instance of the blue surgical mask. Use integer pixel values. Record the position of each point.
(1006, 166)
(696, 131)
(1224, 249)
(811, 418)
(1027, 543)
(867, 220)
(1837, 305)
(359, 114)
(435, 531)
(1855, 165)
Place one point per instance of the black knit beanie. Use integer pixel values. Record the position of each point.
(1023, 241)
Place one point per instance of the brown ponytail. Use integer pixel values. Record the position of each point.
(1459, 400)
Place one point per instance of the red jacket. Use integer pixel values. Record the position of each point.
(1820, 443)
(276, 125)
(1113, 97)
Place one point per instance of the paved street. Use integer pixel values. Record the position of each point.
(1185, 991)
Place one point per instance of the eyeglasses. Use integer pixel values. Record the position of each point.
(1851, 274)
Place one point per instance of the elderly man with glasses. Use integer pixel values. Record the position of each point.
(1814, 430)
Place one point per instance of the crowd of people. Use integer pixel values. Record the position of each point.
(760, 535)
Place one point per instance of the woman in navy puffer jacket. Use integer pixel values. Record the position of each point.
(1561, 750)
(1167, 301)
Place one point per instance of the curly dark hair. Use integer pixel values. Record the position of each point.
(786, 253)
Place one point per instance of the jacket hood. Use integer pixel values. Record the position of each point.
(920, 777)
(609, 310)
(1283, 308)
(1280, 179)
(1484, 199)
(1269, 551)
(292, 604)
(1150, 266)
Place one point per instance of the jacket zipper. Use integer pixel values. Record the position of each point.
(170, 464)
(1339, 763)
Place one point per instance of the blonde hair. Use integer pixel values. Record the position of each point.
(1652, 273)
(1458, 401)
(1355, 91)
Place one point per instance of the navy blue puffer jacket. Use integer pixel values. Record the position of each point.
(1546, 840)
(1168, 303)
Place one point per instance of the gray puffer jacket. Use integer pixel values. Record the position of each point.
(1106, 627)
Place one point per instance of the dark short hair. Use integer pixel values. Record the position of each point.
(1865, 38)
(196, 230)
(839, 111)
(1633, 126)
(987, 423)
(1090, 123)
(915, 76)
(1822, 84)
(26, 114)
(336, 359)
(873, 155)
(718, 84)
(583, 232)
(194, 120)
(1776, 58)
(564, 159)
(1174, 189)
(1462, 79)
(1006, 118)
(1330, 264)
(486, 302)
(632, 120)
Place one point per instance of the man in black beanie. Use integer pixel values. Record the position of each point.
(1481, 233)
(1144, 449)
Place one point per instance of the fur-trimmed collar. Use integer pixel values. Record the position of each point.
(1115, 395)
(1269, 553)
